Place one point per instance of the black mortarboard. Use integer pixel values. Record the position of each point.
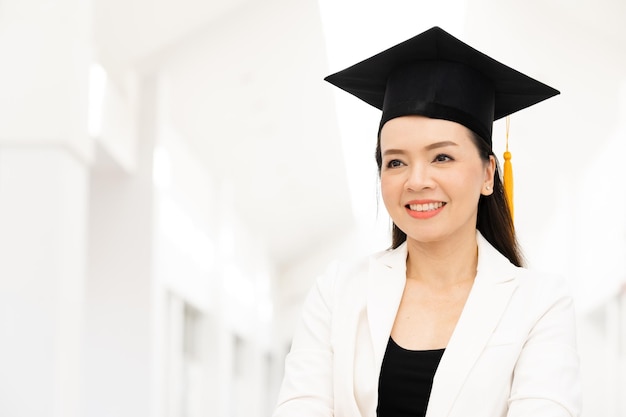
(436, 75)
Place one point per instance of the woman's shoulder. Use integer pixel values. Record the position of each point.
(354, 270)
(527, 277)
(544, 280)
(542, 288)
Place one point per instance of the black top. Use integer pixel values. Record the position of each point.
(406, 378)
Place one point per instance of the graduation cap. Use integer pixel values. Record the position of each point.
(436, 75)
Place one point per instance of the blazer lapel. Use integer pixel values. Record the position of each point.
(386, 281)
(494, 284)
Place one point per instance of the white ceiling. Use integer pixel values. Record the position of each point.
(129, 31)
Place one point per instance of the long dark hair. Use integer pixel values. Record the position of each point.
(494, 220)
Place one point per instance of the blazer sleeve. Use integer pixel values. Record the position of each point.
(546, 380)
(307, 387)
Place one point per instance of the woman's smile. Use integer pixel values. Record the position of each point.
(423, 209)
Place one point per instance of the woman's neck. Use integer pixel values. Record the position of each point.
(443, 264)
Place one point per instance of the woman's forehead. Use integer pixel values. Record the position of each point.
(423, 130)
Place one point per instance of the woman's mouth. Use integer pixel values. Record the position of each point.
(425, 206)
(424, 210)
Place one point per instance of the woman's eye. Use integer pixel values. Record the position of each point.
(394, 163)
(442, 157)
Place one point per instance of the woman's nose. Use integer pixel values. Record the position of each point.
(419, 178)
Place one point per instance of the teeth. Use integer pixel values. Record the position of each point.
(426, 207)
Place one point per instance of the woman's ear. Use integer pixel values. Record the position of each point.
(490, 172)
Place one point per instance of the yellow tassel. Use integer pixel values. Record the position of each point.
(508, 171)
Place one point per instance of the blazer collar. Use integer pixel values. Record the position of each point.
(386, 280)
(493, 287)
(492, 265)
(489, 259)
(494, 284)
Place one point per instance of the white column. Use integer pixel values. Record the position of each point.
(122, 306)
(42, 240)
(621, 351)
(44, 165)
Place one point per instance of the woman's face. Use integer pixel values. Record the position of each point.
(432, 177)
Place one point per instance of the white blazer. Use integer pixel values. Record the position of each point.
(513, 351)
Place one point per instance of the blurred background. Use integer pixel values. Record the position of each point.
(174, 174)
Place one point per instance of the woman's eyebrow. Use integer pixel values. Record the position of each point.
(393, 152)
(440, 145)
(429, 147)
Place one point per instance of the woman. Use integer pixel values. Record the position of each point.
(447, 322)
